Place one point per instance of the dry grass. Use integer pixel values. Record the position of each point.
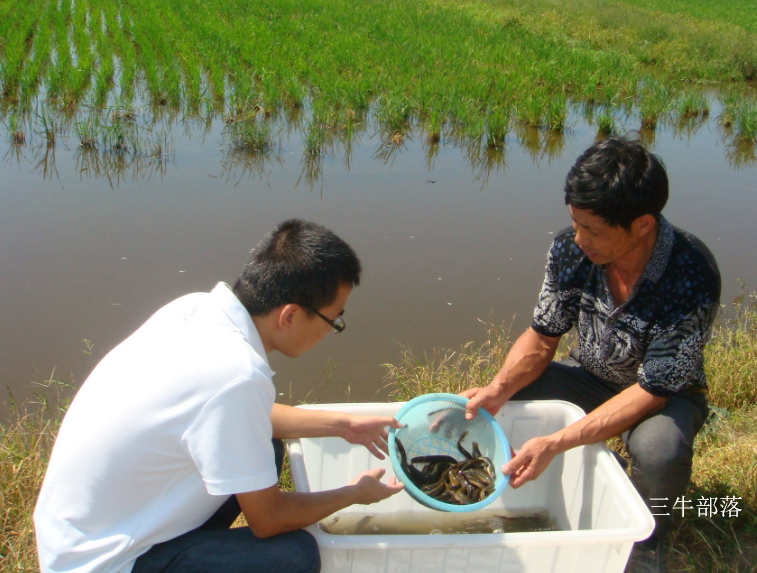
(725, 451)
(725, 458)
(24, 450)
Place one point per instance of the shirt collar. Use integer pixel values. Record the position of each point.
(661, 254)
(238, 314)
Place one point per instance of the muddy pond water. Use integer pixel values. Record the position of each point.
(91, 244)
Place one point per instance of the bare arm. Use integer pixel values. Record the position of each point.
(527, 359)
(271, 511)
(369, 431)
(612, 418)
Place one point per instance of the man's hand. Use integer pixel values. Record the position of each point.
(490, 397)
(532, 459)
(527, 359)
(370, 431)
(370, 489)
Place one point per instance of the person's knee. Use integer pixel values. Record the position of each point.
(305, 557)
(658, 446)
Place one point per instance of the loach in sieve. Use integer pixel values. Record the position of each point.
(435, 425)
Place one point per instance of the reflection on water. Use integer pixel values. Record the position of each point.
(131, 144)
(439, 523)
(117, 167)
(452, 225)
(390, 148)
(238, 166)
(740, 153)
(541, 144)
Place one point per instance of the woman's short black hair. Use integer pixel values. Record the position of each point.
(618, 180)
(297, 262)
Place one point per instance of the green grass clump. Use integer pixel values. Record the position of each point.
(605, 123)
(746, 120)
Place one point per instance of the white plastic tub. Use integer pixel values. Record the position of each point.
(596, 508)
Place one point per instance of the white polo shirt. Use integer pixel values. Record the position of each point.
(168, 425)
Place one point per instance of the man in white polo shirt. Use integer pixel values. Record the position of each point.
(176, 430)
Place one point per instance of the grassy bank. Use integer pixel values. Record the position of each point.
(725, 462)
(475, 68)
(725, 451)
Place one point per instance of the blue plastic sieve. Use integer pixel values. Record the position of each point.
(432, 425)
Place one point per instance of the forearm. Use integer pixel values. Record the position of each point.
(291, 422)
(295, 510)
(611, 419)
(527, 359)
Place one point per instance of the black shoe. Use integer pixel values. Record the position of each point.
(646, 557)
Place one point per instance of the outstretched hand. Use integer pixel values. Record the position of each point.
(371, 490)
(532, 459)
(490, 398)
(370, 431)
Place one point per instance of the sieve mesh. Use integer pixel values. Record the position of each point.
(432, 425)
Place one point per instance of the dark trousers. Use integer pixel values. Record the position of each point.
(661, 445)
(214, 548)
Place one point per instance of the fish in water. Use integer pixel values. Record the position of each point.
(446, 479)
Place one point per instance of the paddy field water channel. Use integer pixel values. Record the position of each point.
(92, 243)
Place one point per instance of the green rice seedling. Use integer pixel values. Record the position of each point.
(35, 66)
(314, 138)
(296, 93)
(497, 126)
(654, 104)
(729, 101)
(530, 110)
(247, 135)
(746, 120)
(88, 131)
(691, 105)
(47, 127)
(16, 131)
(605, 123)
(556, 114)
(115, 137)
(394, 113)
(433, 126)
(103, 80)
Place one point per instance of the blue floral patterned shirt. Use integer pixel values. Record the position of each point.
(657, 336)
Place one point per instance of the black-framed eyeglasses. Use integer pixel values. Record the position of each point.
(338, 325)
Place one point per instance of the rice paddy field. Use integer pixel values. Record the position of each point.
(147, 145)
(475, 69)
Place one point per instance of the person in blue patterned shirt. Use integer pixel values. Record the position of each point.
(642, 296)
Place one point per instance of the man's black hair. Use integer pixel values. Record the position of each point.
(297, 262)
(618, 180)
